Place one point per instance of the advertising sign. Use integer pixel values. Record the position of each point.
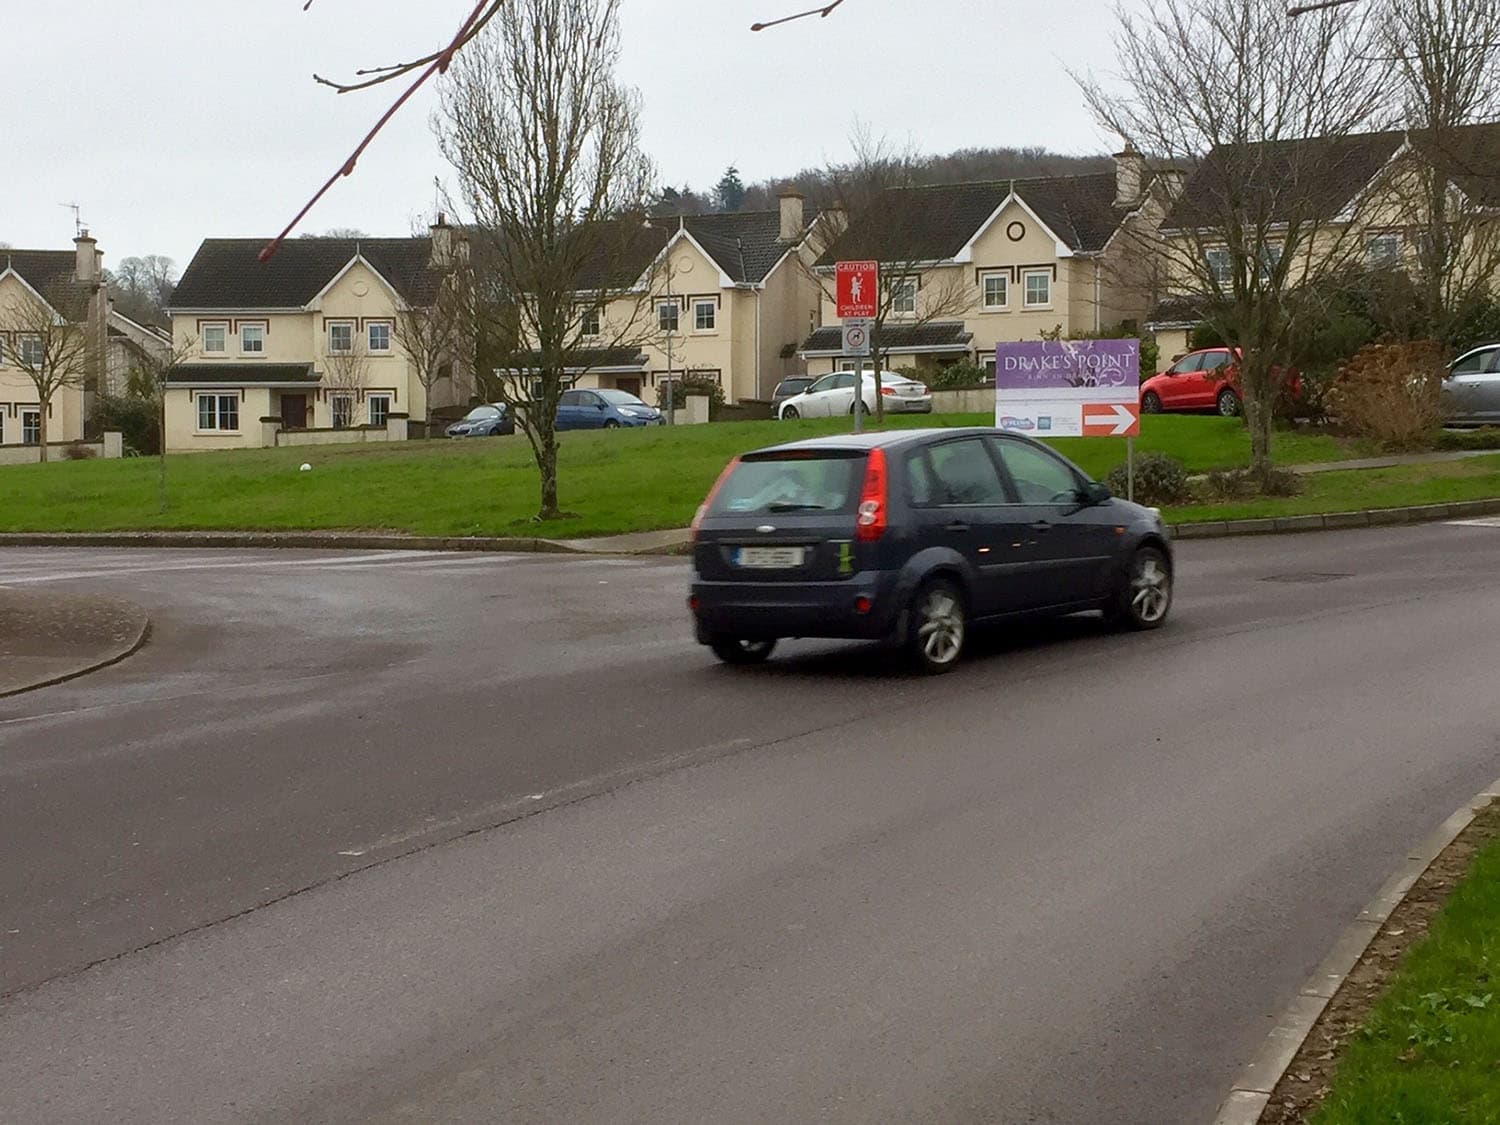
(857, 289)
(1068, 388)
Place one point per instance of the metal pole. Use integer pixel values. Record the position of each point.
(859, 395)
(1130, 469)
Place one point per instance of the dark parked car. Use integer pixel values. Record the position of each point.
(604, 409)
(913, 536)
(490, 420)
(786, 389)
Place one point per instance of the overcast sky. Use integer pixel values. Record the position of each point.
(174, 120)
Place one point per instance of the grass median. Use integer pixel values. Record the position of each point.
(615, 481)
(1429, 1050)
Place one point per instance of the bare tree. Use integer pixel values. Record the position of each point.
(53, 347)
(876, 191)
(1446, 55)
(437, 337)
(1265, 114)
(546, 146)
(345, 374)
(150, 375)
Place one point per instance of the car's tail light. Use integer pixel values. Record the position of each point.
(887, 390)
(870, 524)
(709, 499)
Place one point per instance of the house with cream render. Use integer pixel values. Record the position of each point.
(972, 264)
(62, 284)
(719, 297)
(307, 343)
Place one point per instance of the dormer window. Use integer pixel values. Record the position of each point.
(252, 339)
(215, 339)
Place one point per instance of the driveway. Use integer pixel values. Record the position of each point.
(478, 838)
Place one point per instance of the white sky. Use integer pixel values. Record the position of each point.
(175, 120)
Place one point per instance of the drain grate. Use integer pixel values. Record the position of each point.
(1306, 577)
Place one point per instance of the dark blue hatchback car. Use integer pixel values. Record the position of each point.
(604, 409)
(912, 536)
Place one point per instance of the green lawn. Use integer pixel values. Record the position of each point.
(627, 480)
(1430, 1049)
(1354, 490)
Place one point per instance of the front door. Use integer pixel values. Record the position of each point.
(294, 412)
(630, 384)
(959, 500)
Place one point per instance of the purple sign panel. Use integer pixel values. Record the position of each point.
(1055, 365)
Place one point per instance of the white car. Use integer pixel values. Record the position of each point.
(833, 395)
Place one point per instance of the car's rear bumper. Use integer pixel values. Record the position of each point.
(765, 610)
(895, 404)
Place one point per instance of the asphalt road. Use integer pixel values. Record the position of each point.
(400, 837)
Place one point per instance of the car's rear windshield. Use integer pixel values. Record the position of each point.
(792, 481)
(792, 386)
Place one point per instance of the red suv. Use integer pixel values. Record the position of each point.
(1207, 379)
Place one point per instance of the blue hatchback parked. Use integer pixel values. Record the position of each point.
(604, 409)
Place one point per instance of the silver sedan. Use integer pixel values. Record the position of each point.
(1471, 389)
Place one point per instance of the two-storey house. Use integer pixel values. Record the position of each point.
(720, 297)
(40, 289)
(319, 337)
(966, 266)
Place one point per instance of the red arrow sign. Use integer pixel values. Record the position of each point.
(857, 289)
(1111, 419)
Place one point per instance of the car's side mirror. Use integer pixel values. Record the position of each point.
(1095, 492)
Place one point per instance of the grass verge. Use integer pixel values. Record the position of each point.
(620, 481)
(1414, 1033)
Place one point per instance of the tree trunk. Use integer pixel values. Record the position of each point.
(41, 430)
(879, 399)
(546, 463)
(161, 451)
(1260, 408)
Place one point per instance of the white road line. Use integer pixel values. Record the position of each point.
(1483, 521)
(324, 561)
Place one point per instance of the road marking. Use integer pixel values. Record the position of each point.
(326, 562)
(1483, 521)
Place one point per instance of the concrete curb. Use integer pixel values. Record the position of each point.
(123, 652)
(1251, 1093)
(1336, 521)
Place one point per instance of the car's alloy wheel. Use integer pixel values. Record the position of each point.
(1229, 403)
(789, 412)
(1150, 403)
(735, 650)
(1145, 597)
(611, 424)
(938, 626)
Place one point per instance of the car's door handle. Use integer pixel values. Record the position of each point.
(1041, 525)
(957, 525)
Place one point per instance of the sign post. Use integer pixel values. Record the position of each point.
(857, 294)
(1071, 388)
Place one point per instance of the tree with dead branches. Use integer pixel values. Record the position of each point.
(437, 335)
(1446, 55)
(546, 146)
(346, 370)
(53, 347)
(1265, 108)
(876, 194)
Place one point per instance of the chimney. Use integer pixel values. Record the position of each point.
(86, 265)
(442, 243)
(1130, 176)
(791, 215)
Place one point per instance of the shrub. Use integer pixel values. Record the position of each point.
(135, 418)
(964, 373)
(77, 451)
(1236, 484)
(694, 384)
(1159, 479)
(1389, 393)
(1485, 437)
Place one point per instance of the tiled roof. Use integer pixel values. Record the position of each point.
(934, 222)
(745, 245)
(1182, 308)
(46, 271)
(225, 273)
(939, 335)
(592, 359)
(240, 373)
(1471, 154)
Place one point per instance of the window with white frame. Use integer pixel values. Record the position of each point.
(343, 411)
(996, 288)
(588, 323)
(215, 339)
(31, 351)
(666, 316)
(219, 412)
(252, 339)
(379, 336)
(380, 409)
(1038, 291)
(1220, 265)
(31, 427)
(1383, 250)
(340, 337)
(2, 350)
(705, 316)
(904, 296)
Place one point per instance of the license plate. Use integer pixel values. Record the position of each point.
(769, 558)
